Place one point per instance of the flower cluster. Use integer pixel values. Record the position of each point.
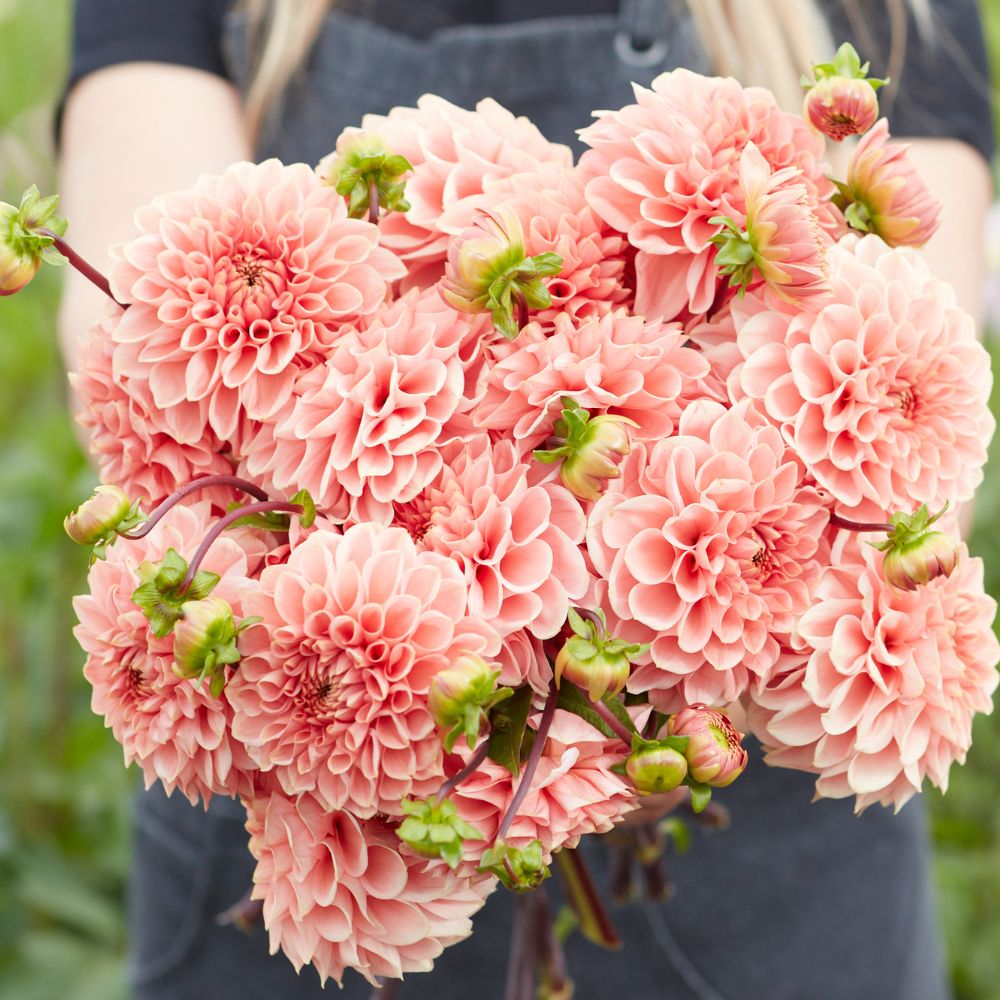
(452, 492)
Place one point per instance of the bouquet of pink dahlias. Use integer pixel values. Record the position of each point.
(451, 501)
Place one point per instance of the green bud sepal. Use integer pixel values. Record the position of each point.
(435, 830)
(520, 869)
(159, 594)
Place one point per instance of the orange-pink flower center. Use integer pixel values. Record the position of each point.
(253, 281)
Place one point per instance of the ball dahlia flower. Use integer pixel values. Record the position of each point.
(236, 286)
(892, 681)
(339, 893)
(515, 540)
(331, 694)
(616, 364)
(662, 169)
(366, 423)
(455, 153)
(883, 392)
(711, 540)
(177, 733)
(121, 418)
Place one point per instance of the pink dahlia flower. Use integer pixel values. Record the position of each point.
(455, 154)
(556, 218)
(236, 286)
(516, 541)
(616, 364)
(574, 791)
(368, 421)
(892, 682)
(332, 692)
(338, 893)
(711, 540)
(884, 193)
(522, 660)
(176, 732)
(883, 392)
(119, 416)
(661, 169)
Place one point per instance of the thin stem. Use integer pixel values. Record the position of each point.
(244, 914)
(584, 899)
(224, 522)
(456, 779)
(372, 201)
(523, 312)
(76, 261)
(551, 958)
(193, 487)
(520, 961)
(531, 765)
(613, 722)
(387, 989)
(842, 522)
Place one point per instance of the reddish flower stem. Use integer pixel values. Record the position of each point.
(585, 900)
(456, 779)
(523, 312)
(244, 914)
(372, 202)
(842, 522)
(193, 487)
(76, 261)
(531, 765)
(224, 522)
(620, 730)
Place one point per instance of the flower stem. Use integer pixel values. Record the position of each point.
(224, 522)
(523, 312)
(244, 914)
(613, 722)
(76, 261)
(523, 951)
(585, 901)
(193, 487)
(531, 765)
(373, 201)
(456, 779)
(842, 522)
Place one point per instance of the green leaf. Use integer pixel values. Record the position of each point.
(572, 699)
(578, 625)
(507, 721)
(620, 712)
(700, 795)
(305, 500)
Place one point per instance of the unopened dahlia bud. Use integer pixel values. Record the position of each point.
(99, 516)
(884, 194)
(714, 750)
(461, 697)
(593, 659)
(590, 449)
(367, 173)
(915, 555)
(487, 271)
(435, 830)
(22, 247)
(161, 594)
(520, 869)
(205, 641)
(841, 100)
(656, 767)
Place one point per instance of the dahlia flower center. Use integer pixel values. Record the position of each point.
(317, 695)
(254, 279)
(905, 400)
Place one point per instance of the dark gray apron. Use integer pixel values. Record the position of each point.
(795, 901)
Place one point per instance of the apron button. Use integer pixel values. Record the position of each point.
(632, 54)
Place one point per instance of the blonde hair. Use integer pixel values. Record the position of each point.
(767, 43)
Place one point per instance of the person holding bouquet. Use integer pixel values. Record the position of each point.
(798, 899)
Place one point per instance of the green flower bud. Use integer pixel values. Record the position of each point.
(461, 697)
(593, 659)
(22, 248)
(159, 595)
(435, 830)
(520, 869)
(367, 173)
(205, 641)
(841, 100)
(914, 555)
(100, 519)
(656, 767)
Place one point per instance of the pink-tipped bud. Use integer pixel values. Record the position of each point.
(22, 246)
(838, 107)
(16, 269)
(656, 768)
(915, 555)
(714, 751)
(205, 640)
(461, 696)
(99, 516)
(363, 168)
(593, 659)
(841, 101)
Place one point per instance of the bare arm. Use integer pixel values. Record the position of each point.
(131, 132)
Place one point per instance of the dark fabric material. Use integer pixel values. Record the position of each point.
(943, 89)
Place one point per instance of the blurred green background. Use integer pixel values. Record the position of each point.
(63, 790)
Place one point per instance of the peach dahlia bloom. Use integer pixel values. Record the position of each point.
(366, 423)
(515, 540)
(660, 169)
(455, 154)
(237, 285)
(616, 364)
(891, 686)
(120, 419)
(339, 893)
(331, 694)
(711, 540)
(177, 733)
(883, 391)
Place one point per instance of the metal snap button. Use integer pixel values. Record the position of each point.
(632, 55)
